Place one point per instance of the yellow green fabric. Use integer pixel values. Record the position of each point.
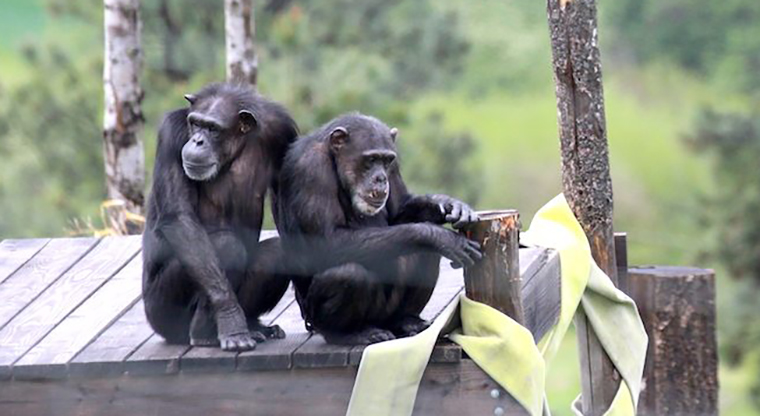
(390, 372)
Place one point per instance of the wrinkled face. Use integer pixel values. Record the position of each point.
(217, 132)
(364, 163)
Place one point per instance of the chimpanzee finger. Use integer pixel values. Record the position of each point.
(464, 218)
(455, 265)
(456, 211)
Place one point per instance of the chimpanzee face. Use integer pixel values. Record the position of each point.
(218, 131)
(364, 159)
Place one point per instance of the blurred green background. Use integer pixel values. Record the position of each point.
(470, 86)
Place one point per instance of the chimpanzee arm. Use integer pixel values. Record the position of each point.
(176, 221)
(436, 209)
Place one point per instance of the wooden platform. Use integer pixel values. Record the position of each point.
(71, 316)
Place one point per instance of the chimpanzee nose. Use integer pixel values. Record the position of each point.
(380, 179)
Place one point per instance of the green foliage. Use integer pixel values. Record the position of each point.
(733, 140)
(720, 39)
(317, 62)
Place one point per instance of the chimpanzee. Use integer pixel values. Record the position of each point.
(206, 277)
(366, 251)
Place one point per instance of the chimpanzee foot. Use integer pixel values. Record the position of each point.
(261, 332)
(233, 330)
(409, 326)
(366, 336)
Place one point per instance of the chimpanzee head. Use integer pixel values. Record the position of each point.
(220, 121)
(364, 151)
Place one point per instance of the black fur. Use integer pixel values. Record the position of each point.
(206, 277)
(362, 278)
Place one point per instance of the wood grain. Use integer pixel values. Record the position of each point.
(37, 274)
(14, 253)
(446, 389)
(677, 305)
(495, 279)
(49, 358)
(27, 328)
(106, 355)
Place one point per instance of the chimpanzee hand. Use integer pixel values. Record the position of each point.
(455, 211)
(456, 247)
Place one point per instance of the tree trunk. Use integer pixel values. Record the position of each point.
(123, 119)
(242, 63)
(585, 168)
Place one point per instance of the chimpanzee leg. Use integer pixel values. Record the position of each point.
(233, 258)
(343, 303)
(263, 286)
(174, 306)
(419, 274)
(168, 293)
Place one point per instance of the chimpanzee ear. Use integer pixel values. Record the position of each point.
(394, 133)
(190, 98)
(338, 138)
(247, 121)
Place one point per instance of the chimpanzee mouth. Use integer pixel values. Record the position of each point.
(376, 198)
(198, 172)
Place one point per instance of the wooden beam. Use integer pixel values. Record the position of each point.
(495, 279)
(677, 305)
(586, 177)
(446, 389)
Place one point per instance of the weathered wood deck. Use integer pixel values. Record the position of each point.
(72, 326)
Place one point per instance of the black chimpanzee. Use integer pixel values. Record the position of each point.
(366, 250)
(206, 277)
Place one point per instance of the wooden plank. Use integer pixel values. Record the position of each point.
(155, 357)
(49, 358)
(106, 355)
(27, 328)
(37, 274)
(677, 305)
(214, 359)
(495, 279)
(446, 389)
(15, 253)
(541, 289)
(278, 354)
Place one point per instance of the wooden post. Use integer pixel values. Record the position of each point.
(621, 256)
(242, 63)
(585, 169)
(495, 279)
(677, 305)
(123, 119)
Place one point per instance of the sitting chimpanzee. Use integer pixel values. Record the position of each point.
(367, 252)
(206, 277)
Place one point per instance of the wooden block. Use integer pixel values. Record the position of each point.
(50, 356)
(39, 272)
(45, 312)
(106, 355)
(14, 253)
(155, 357)
(495, 279)
(677, 305)
(541, 289)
